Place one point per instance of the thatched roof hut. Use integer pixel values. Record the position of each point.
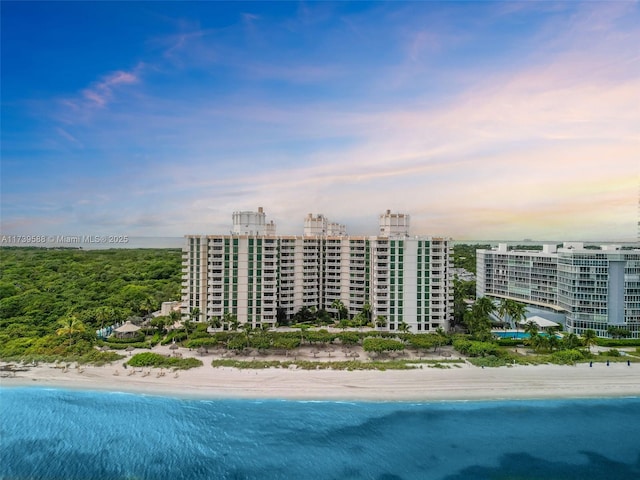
(128, 330)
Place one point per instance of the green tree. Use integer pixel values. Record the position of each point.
(247, 328)
(70, 326)
(381, 321)
(379, 345)
(478, 319)
(589, 338)
(231, 321)
(511, 311)
(215, 322)
(517, 313)
(484, 307)
(618, 332)
(552, 341)
(366, 313)
(441, 338)
(339, 307)
(174, 316)
(404, 327)
(105, 315)
(531, 328)
(462, 292)
(570, 341)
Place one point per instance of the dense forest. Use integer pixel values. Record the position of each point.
(40, 287)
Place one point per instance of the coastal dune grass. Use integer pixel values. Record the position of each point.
(339, 365)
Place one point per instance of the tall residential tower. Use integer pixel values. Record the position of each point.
(261, 277)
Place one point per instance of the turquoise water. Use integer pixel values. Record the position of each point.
(519, 335)
(64, 434)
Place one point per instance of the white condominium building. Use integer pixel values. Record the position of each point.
(594, 288)
(528, 276)
(263, 278)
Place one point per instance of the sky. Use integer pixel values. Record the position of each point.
(481, 120)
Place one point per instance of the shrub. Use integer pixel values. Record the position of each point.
(176, 335)
(320, 336)
(373, 344)
(149, 359)
(622, 342)
(286, 343)
(567, 357)
(474, 348)
(490, 361)
(202, 342)
(139, 337)
(261, 342)
(237, 343)
(123, 346)
(422, 341)
(349, 338)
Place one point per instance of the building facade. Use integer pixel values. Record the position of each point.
(261, 278)
(593, 288)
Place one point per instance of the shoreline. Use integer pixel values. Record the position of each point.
(462, 383)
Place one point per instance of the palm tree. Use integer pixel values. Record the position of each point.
(366, 312)
(441, 338)
(517, 312)
(174, 315)
(105, 314)
(512, 312)
(484, 306)
(231, 321)
(215, 322)
(339, 306)
(381, 321)
(70, 325)
(504, 309)
(531, 328)
(247, 328)
(478, 320)
(570, 340)
(589, 338)
(538, 342)
(403, 327)
(552, 340)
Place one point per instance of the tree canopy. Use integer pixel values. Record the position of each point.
(43, 291)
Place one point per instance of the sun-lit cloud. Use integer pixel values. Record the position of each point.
(472, 138)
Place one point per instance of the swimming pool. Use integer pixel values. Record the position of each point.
(510, 334)
(514, 335)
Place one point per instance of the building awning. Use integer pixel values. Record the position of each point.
(541, 322)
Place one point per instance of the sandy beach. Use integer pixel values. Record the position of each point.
(465, 382)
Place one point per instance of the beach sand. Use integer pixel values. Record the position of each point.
(465, 382)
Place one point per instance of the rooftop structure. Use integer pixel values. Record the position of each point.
(394, 224)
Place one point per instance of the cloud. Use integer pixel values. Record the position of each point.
(101, 92)
(538, 146)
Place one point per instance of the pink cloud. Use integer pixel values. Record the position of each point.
(101, 92)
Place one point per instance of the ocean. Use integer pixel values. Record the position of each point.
(70, 434)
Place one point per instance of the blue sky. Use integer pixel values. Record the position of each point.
(481, 120)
